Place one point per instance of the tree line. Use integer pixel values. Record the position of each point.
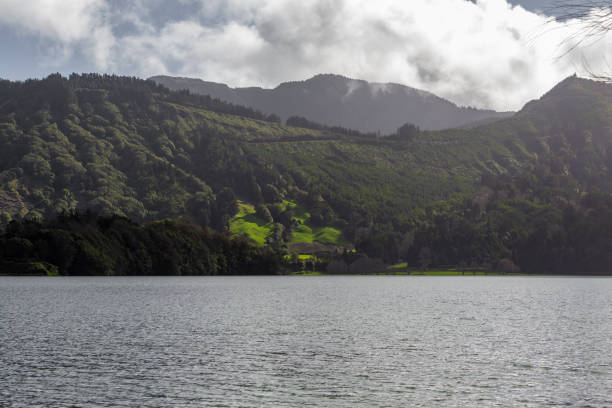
(89, 244)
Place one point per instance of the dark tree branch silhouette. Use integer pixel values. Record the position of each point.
(592, 20)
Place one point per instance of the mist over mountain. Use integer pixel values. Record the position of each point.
(336, 100)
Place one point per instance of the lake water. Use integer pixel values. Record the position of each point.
(395, 341)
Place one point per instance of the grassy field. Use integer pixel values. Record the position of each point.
(246, 223)
(398, 267)
(305, 233)
(321, 235)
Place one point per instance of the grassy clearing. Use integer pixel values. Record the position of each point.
(302, 234)
(245, 223)
(327, 235)
(398, 267)
(308, 234)
(321, 235)
(306, 257)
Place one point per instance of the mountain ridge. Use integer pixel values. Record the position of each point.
(336, 100)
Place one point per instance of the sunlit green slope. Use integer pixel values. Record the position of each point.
(127, 146)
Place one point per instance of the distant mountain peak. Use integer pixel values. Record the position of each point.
(568, 83)
(374, 87)
(328, 76)
(571, 91)
(337, 100)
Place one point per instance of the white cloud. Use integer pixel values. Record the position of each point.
(66, 20)
(63, 25)
(486, 54)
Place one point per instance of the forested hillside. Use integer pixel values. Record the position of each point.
(129, 147)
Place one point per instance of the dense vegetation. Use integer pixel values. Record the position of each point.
(527, 235)
(532, 189)
(129, 147)
(86, 244)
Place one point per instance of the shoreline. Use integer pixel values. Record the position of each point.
(413, 273)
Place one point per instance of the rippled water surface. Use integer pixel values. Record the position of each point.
(306, 341)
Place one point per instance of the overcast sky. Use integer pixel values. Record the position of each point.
(484, 53)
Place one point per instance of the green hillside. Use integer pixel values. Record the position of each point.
(125, 146)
